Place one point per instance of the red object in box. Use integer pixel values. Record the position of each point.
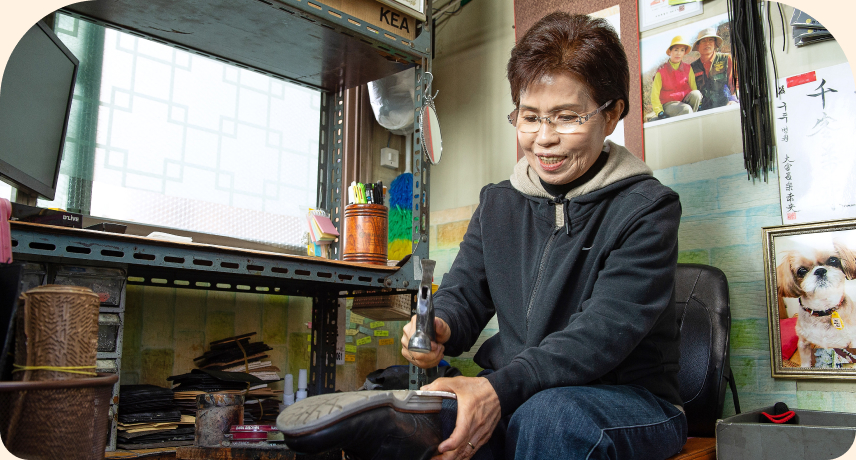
(265, 428)
(251, 432)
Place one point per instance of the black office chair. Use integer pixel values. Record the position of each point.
(701, 297)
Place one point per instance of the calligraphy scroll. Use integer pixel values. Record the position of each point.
(815, 119)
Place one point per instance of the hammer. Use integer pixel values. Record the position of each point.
(421, 340)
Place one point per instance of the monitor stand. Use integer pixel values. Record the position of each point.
(22, 197)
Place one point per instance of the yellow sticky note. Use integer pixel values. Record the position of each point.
(355, 318)
(309, 338)
(376, 324)
(364, 341)
(349, 358)
(381, 333)
(351, 348)
(351, 332)
(386, 341)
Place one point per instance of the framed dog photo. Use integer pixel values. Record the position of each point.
(810, 272)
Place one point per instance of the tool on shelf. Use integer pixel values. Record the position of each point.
(421, 340)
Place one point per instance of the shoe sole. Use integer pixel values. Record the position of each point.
(318, 412)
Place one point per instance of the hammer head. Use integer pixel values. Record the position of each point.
(421, 340)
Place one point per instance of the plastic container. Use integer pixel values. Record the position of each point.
(34, 275)
(108, 283)
(301, 385)
(108, 332)
(365, 235)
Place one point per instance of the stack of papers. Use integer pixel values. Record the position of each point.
(321, 229)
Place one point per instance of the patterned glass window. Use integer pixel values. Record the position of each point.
(166, 137)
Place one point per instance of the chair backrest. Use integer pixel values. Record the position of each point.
(704, 317)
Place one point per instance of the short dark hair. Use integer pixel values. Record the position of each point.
(587, 48)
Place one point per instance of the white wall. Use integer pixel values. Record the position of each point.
(479, 146)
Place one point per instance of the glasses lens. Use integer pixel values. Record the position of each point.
(567, 122)
(528, 123)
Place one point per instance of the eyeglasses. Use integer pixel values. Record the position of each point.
(564, 122)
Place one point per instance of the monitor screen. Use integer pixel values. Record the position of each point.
(35, 99)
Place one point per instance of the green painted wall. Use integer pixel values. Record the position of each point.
(165, 328)
(723, 214)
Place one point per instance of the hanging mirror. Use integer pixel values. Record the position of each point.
(429, 127)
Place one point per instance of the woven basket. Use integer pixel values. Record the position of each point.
(63, 420)
(58, 327)
(383, 307)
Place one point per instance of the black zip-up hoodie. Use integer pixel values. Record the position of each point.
(582, 287)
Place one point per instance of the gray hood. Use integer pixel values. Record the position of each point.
(620, 165)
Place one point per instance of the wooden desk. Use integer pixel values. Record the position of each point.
(242, 453)
(697, 449)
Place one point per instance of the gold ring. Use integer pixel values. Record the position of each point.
(471, 445)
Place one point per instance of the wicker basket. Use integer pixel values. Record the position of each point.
(58, 326)
(383, 307)
(57, 419)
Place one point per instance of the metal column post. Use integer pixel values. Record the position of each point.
(322, 358)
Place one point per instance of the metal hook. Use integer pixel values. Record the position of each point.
(430, 80)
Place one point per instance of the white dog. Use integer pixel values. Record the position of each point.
(827, 315)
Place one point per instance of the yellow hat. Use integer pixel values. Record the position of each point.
(679, 40)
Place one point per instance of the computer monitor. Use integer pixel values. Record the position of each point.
(35, 101)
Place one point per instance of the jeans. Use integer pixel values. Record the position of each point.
(584, 422)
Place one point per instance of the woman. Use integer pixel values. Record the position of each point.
(576, 255)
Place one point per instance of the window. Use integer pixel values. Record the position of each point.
(166, 137)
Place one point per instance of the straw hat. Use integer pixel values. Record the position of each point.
(678, 40)
(708, 33)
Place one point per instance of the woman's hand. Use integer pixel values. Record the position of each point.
(425, 360)
(478, 414)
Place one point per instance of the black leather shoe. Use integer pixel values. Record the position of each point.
(367, 425)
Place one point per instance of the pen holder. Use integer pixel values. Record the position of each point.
(365, 233)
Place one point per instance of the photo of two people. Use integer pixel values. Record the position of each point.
(697, 73)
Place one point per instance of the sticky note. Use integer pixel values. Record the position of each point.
(376, 324)
(355, 318)
(364, 341)
(349, 358)
(365, 330)
(381, 333)
(351, 348)
(385, 341)
(349, 339)
(309, 337)
(351, 332)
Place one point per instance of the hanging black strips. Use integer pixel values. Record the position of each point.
(750, 63)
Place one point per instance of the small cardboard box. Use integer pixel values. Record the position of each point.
(817, 436)
(376, 15)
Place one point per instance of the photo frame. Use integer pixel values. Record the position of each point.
(654, 13)
(810, 274)
(655, 58)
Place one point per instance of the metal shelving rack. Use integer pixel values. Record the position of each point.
(301, 41)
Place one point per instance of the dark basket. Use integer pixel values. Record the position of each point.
(56, 419)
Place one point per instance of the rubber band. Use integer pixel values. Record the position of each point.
(247, 369)
(67, 369)
(246, 362)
